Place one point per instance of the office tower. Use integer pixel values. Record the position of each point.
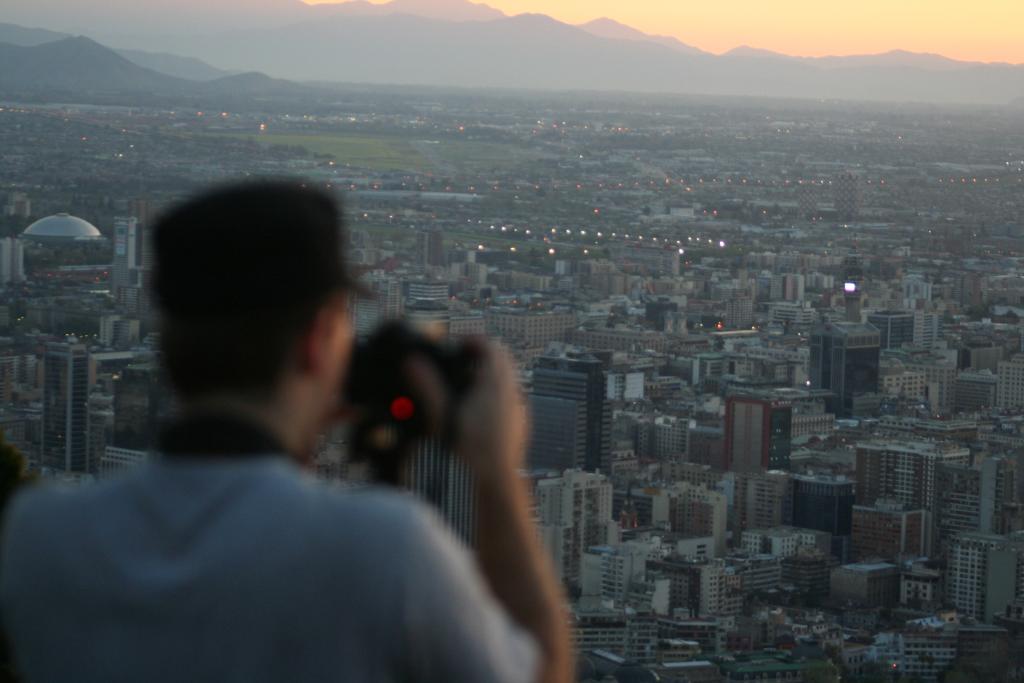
(65, 433)
(386, 303)
(739, 311)
(428, 290)
(760, 500)
(692, 511)
(916, 289)
(430, 248)
(131, 264)
(118, 331)
(574, 513)
(889, 531)
(853, 279)
(571, 414)
(904, 471)
(974, 391)
(983, 572)
(895, 328)
(12, 261)
(445, 481)
(927, 329)
(758, 434)
(529, 328)
(982, 498)
(844, 360)
(940, 375)
(825, 503)
(793, 285)
(140, 401)
(846, 195)
(656, 312)
(1010, 383)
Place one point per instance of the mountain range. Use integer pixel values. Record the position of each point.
(79, 66)
(466, 44)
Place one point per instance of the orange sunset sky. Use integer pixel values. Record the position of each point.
(982, 30)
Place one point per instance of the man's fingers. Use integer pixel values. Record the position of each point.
(430, 395)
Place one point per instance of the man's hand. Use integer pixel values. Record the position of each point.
(491, 431)
(491, 438)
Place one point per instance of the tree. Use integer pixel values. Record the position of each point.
(823, 671)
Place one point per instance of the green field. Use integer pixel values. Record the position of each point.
(399, 154)
(373, 153)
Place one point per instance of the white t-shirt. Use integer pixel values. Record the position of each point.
(245, 569)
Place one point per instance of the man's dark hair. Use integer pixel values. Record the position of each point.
(240, 273)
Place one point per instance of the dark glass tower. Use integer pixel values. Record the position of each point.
(844, 360)
(571, 414)
(826, 504)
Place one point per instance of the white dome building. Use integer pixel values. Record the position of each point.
(62, 227)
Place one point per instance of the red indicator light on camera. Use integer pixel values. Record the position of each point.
(402, 408)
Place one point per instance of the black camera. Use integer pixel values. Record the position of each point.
(389, 416)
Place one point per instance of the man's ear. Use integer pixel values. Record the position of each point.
(317, 342)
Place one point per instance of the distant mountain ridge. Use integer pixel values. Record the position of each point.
(82, 67)
(532, 51)
(167, 64)
(360, 42)
(609, 28)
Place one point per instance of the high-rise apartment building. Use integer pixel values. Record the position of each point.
(760, 500)
(984, 573)
(1010, 383)
(758, 434)
(889, 531)
(571, 413)
(844, 360)
(904, 471)
(65, 433)
(574, 512)
(981, 498)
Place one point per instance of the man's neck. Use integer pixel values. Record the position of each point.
(263, 415)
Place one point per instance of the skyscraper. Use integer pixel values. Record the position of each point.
(65, 447)
(139, 402)
(758, 434)
(12, 261)
(387, 303)
(574, 512)
(826, 504)
(905, 471)
(895, 328)
(131, 263)
(844, 360)
(571, 413)
(430, 248)
(444, 480)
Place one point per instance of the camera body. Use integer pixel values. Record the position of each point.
(389, 415)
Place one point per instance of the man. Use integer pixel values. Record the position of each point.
(221, 560)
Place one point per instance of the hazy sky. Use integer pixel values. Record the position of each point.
(983, 30)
